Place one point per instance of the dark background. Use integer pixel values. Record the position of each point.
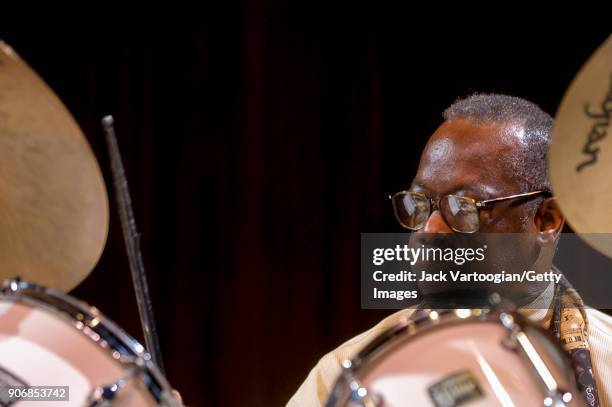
(259, 143)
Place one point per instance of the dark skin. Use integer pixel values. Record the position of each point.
(462, 158)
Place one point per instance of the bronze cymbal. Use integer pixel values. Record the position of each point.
(581, 151)
(53, 201)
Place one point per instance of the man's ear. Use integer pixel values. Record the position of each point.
(549, 220)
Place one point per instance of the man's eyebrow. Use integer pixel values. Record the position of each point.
(468, 188)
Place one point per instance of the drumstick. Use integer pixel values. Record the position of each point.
(132, 244)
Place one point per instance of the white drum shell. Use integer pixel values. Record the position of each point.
(50, 339)
(399, 368)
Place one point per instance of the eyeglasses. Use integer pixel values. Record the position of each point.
(461, 213)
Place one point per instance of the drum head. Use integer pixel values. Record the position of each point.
(49, 339)
(452, 362)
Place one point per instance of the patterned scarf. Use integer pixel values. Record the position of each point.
(570, 326)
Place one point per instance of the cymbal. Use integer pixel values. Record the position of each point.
(53, 201)
(581, 151)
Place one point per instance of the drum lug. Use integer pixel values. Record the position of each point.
(104, 396)
(12, 286)
(558, 399)
(360, 395)
(508, 321)
(509, 343)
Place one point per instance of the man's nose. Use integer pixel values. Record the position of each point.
(436, 224)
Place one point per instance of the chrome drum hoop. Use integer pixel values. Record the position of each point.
(91, 323)
(428, 320)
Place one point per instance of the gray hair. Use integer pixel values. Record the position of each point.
(530, 161)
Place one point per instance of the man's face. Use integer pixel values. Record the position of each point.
(468, 159)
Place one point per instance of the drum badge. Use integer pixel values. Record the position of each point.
(455, 390)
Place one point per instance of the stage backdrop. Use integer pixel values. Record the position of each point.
(259, 143)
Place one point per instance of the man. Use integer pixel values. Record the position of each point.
(492, 146)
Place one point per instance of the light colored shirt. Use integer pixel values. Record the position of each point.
(315, 389)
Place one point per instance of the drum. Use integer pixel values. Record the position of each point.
(54, 347)
(446, 358)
